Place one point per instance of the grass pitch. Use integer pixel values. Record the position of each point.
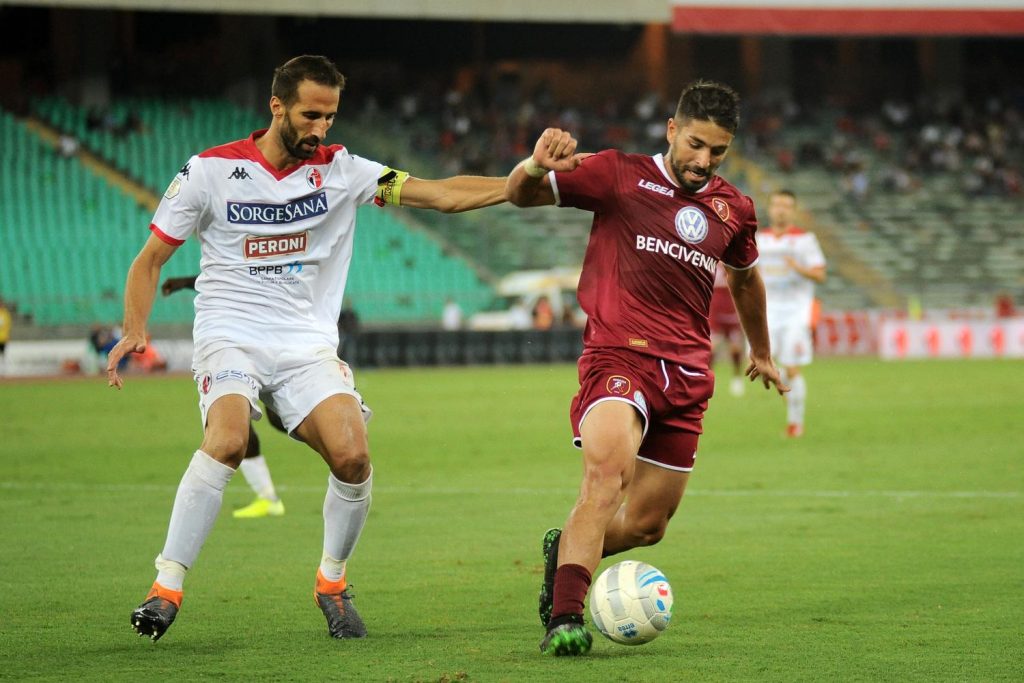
(887, 544)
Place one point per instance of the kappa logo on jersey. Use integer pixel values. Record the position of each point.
(691, 225)
(251, 213)
(721, 207)
(239, 174)
(185, 170)
(275, 245)
(618, 385)
(314, 179)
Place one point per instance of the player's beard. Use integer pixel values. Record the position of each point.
(293, 143)
(679, 170)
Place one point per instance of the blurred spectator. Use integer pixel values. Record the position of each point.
(1005, 307)
(451, 315)
(519, 317)
(67, 146)
(102, 338)
(5, 335)
(543, 314)
(149, 360)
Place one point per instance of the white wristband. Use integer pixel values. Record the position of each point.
(533, 169)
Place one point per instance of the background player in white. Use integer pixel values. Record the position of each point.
(275, 215)
(254, 466)
(791, 263)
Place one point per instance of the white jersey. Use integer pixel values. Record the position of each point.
(790, 295)
(276, 245)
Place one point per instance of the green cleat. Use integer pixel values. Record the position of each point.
(568, 639)
(261, 507)
(549, 549)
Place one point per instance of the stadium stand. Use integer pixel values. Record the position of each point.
(399, 273)
(927, 199)
(901, 199)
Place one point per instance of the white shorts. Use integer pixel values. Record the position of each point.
(791, 344)
(291, 382)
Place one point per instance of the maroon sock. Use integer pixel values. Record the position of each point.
(571, 584)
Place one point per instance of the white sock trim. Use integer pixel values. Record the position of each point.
(214, 473)
(350, 492)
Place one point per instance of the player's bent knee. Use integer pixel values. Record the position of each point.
(228, 448)
(351, 465)
(649, 532)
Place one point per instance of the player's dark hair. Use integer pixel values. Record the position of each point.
(710, 101)
(316, 68)
(785, 193)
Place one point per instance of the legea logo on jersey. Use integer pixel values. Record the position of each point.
(275, 245)
(314, 179)
(252, 213)
(691, 225)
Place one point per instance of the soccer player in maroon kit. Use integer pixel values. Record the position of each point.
(661, 225)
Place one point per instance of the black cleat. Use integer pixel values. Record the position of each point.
(342, 618)
(549, 548)
(567, 637)
(153, 617)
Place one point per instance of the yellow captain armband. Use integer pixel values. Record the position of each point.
(389, 187)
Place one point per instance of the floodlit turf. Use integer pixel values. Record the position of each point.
(887, 544)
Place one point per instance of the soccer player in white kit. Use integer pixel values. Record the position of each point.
(275, 215)
(791, 263)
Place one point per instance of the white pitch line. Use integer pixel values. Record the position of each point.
(457, 491)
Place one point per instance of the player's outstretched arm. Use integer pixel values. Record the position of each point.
(452, 195)
(173, 284)
(528, 184)
(747, 289)
(139, 292)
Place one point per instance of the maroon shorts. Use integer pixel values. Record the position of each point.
(670, 398)
(722, 316)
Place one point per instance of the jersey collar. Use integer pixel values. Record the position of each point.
(659, 161)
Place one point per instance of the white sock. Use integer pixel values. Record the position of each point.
(195, 509)
(795, 400)
(257, 475)
(169, 574)
(345, 510)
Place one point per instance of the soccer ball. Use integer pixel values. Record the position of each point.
(631, 603)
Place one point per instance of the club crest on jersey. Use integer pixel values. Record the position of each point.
(691, 225)
(275, 245)
(314, 179)
(617, 385)
(205, 381)
(721, 207)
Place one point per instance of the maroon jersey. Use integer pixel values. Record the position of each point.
(650, 264)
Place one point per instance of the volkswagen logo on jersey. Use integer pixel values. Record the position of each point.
(691, 225)
(314, 179)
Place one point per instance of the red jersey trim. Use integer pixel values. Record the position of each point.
(164, 237)
(247, 149)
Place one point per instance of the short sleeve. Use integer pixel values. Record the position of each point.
(361, 175)
(182, 205)
(742, 250)
(590, 185)
(811, 255)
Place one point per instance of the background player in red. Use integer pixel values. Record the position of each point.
(726, 330)
(661, 225)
